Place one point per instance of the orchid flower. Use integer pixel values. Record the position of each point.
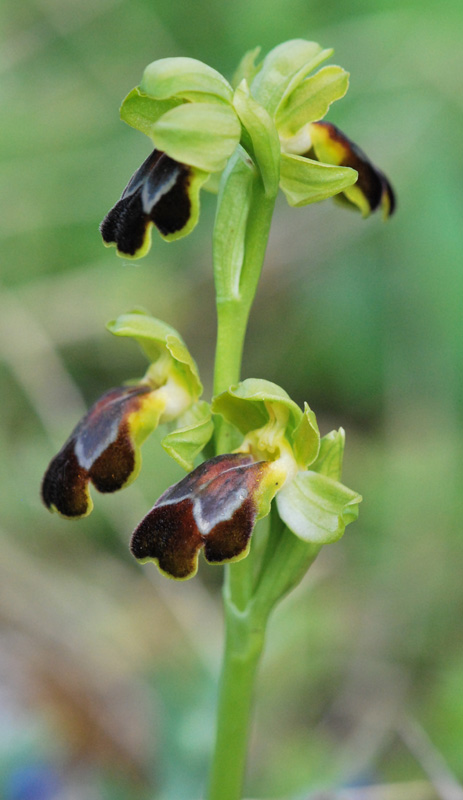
(217, 505)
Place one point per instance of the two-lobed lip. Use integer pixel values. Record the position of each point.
(157, 194)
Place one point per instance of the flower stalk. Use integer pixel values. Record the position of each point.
(244, 641)
(251, 139)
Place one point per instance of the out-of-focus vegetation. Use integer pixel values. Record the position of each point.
(107, 670)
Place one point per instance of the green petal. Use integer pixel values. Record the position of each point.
(306, 438)
(316, 508)
(155, 338)
(311, 99)
(263, 135)
(247, 68)
(330, 456)
(183, 77)
(306, 181)
(233, 205)
(203, 135)
(283, 68)
(141, 111)
(244, 405)
(194, 430)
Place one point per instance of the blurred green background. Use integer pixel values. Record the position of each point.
(108, 671)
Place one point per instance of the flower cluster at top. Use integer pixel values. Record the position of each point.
(270, 116)
(217, 505)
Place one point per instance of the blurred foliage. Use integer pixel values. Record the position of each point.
(108, 671)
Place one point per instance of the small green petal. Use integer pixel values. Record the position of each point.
(244, 405)
(182, 77)
(316, 508)
(283, 68)
(263, 135)
(194, 430)
(311, 99)
(330, 457)
(306, 438)
(141, 111)
(233, 204)
(203, 135)
(247, 68)
(155, 338)
(306, 181)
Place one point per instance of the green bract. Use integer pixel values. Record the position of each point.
(310, 499)
(233, 204)
(263, 137)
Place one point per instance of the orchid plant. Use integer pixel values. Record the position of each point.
(243, 140)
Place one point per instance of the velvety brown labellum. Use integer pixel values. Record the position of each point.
(158, 192)
(100, 450)
(213, 507)
(371, 181)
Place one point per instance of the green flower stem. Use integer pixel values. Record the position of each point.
(243, 647)
(244, 631)
(233, 311)
(239, 581)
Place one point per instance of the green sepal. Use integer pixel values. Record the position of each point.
(263, 136)
(330, 456)
(306, 438)
(203, 135)
(156, 338)
(247, 69)
(317, 508)
(311, 99)
(283, 69)
(305, 181)
(141, 111)
(245, 405)
(194, 430)
(183, 77)
(233, 204)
